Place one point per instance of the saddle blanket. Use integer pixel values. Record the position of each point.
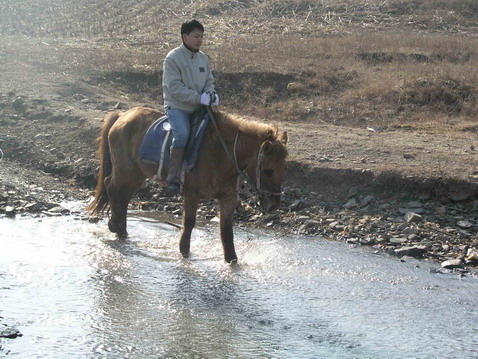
(156, 145)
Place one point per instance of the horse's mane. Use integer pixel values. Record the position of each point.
(230, 125)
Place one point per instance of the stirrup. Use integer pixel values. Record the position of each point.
(173, 188)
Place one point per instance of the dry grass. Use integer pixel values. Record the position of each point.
(350, 62)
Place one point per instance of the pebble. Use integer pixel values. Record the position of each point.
(412, 217)
(351, 204)
(398, 240)
(366, 201)
(415, 251)
(465, 224)
(10, 333)
(452, 264)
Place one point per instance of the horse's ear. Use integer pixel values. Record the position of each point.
(267, 148)
(284, 138)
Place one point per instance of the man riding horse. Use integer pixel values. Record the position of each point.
(188, 83)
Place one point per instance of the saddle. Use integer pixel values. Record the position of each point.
(156, 145)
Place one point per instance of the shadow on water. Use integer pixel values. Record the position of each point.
(74, 290)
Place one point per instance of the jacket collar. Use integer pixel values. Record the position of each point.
(188, 50)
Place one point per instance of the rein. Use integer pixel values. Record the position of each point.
(257, 186)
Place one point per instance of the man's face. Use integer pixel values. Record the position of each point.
(193, 40)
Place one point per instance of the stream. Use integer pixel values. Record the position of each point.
(75, 291)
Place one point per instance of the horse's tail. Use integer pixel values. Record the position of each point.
(101, 200)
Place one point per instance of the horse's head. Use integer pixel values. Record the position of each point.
(270, 171)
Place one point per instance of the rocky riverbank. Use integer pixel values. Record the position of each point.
(419, 228)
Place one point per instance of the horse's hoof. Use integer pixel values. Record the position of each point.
(115, 228)
(231, 260)
(185, 255)
(122, 235)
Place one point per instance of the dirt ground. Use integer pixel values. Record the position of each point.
(49, 120)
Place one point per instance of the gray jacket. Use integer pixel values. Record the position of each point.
(186, 75)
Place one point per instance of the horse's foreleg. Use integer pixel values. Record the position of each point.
(226, 208)
(190, 207)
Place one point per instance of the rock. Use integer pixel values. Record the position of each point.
(35, 207)
(414, 204)
(452, 263)
(366, 201)
(39, 115)
(418, 210)
(103, 107)
(18, 103)
(412, 217)
(408, 231)
(408, 156)
(311, 223)
(409, 259)
(465, 224)
(412, 237)
(325, 159)
(472, 256)
(459, 196)
(58, 210)
(414, 251)
(353, 192)
(351, 204)
(398, 240)
(10, 333)
(10, 211)
(336, 226)
(368, 241)
(296, 204)
(403, 226)
(302, 219)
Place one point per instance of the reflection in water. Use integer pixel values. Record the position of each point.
(75, 291)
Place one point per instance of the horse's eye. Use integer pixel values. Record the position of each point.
(268, 172)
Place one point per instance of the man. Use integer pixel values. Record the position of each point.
(187, 84)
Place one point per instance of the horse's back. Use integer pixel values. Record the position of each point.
(127, 133)
(136, 120)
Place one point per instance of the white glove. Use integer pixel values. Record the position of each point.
(205, 99)
(216, 99)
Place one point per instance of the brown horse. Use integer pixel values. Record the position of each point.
(259, 151)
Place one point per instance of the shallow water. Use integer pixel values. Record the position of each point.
(74, 291)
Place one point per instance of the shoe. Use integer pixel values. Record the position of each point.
(173, 189)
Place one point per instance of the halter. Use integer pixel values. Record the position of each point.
(242, 175)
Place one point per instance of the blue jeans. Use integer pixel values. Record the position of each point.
(179, 121)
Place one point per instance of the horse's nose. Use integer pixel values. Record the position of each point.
(270, 204)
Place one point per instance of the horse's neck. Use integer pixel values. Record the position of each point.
(246, 149)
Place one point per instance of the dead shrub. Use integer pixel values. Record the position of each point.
(444, 94)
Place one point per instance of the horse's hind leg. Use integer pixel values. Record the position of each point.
(191, 203)
(120, 191)
(226, 207)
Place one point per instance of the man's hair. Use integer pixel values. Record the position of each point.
(190, 25)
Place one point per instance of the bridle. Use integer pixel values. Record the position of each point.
(256, 187)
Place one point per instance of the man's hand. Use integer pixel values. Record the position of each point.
(215, 100)
(205, 99)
